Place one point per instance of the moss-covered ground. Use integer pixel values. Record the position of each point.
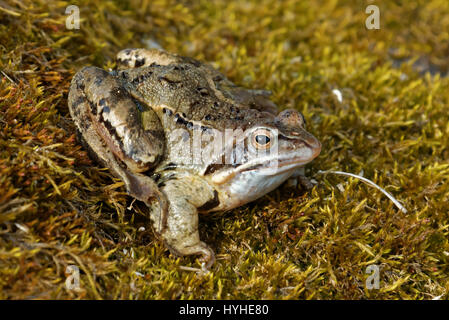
(58, 207)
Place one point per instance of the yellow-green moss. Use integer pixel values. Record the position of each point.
(59, 208)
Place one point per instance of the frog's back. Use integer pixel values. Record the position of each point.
(186, 93)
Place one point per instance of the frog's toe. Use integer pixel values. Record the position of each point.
(299, 179)
(300, 182)
(207, 255)
(200, 248)
(304, 182)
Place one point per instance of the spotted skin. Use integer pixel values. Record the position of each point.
(135, 119)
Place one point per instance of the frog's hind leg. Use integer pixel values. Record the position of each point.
(255, 99)
(93, 98)
(135, 58)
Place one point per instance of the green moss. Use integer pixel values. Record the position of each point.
(59, 208)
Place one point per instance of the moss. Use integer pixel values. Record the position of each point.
(59, 208)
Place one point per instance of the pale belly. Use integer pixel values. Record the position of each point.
(247, 187)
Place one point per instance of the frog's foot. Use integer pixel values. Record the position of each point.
(200, 248)
(299, 179)
(135, 58)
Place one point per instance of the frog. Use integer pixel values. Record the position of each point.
(153, 121)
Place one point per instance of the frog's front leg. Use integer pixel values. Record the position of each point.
(299, 178)
(108, 119)
(185, 195)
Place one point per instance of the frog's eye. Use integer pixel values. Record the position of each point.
(261, 139)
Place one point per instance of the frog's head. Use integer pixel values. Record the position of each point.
(273, 148)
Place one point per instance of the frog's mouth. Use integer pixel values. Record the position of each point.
(269, 166)
(277, 166)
